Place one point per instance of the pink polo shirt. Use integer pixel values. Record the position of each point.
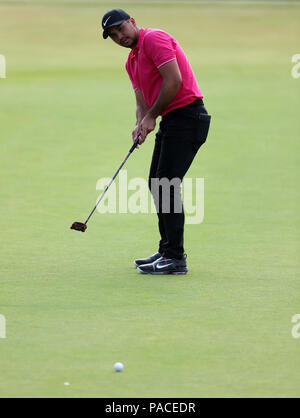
(154, 49)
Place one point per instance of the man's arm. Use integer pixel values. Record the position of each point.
(141, 110)
(172, 80)
(141, 107)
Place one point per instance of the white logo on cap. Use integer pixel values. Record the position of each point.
(106, 20)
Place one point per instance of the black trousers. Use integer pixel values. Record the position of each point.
(180, 135)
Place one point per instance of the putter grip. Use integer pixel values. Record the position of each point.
(134, 145)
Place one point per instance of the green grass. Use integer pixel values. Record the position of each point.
(73, 303)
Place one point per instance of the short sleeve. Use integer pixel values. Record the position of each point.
(130, 74)
(160, 47)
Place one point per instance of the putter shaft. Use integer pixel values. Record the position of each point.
(79, 226)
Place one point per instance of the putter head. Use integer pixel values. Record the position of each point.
(78, 226)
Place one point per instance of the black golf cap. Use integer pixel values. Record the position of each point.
(113, 18)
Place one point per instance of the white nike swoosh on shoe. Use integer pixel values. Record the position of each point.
(162, 266)
(104, 24)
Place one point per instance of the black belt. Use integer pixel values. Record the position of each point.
(179, 110)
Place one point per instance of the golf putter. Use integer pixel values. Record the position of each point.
(79, 226)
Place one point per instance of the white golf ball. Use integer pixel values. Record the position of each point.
(118, 367)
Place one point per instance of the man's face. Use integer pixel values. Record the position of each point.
(126, 34)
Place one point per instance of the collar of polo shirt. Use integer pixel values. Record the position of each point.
(140, 40)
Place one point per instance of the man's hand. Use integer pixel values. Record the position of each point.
(135, 133)
(143, 128)
(147, 125)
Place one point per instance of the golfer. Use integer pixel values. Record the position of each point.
(164, 85)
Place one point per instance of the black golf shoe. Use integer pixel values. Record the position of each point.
(148, 260)
(164, 265)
